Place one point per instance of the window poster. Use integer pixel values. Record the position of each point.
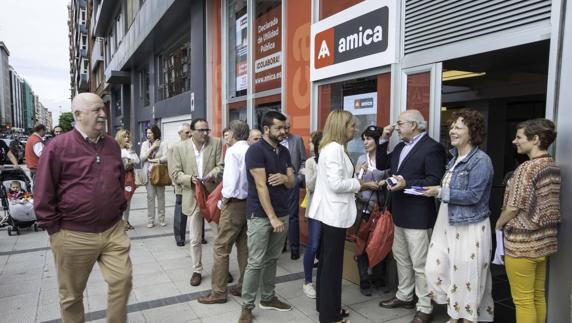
(241, 52)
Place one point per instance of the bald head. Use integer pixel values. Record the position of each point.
(89, 114)
(254, 136)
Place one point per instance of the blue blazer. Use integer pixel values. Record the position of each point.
(423, 166)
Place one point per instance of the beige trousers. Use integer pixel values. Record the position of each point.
(196, 237)
(410, 251)
(75, 253)
(158, 192)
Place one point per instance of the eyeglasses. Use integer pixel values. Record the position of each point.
(401, 123)
(203, 130)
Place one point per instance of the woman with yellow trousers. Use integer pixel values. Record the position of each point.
(531, 213)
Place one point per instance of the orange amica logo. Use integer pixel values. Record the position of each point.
(324, 48)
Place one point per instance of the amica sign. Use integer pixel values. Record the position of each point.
(358, 38)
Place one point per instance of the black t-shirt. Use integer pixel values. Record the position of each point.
(273, 160)
(4, 153)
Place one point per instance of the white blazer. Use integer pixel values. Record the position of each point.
(333, 202)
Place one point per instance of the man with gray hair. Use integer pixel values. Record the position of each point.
(232, 222)
(179, 220)
(419, 161)
(254, 136)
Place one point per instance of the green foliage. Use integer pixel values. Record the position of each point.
(66, 120)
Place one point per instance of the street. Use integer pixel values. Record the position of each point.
(161, 289)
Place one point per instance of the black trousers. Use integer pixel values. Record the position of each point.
(180, 220)
(329, 279)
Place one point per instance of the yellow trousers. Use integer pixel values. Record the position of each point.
(527, 277)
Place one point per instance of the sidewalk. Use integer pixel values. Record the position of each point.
(161, 289)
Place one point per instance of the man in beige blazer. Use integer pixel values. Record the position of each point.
(198, 159)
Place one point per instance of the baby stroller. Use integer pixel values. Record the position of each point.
(17, 214)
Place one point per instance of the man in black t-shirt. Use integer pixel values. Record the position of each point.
(270, 175)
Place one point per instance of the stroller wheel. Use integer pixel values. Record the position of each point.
(9, 231)
(36, 227)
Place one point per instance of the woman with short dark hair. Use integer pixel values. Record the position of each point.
(458, 259)
(530, 217)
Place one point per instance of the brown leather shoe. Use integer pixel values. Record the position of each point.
(421, 317)
(396, 302)
(196, 279)
(235, 291)
(211, 299)
(245, 316)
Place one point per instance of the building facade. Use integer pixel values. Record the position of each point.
(5, 104)
(78, 51)
(169, 61)
(17, 100)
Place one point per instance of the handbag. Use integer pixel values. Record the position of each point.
(366, 222)
(129, 185)
(207, 203)
(160, 175)
(140, 177)
(380, 239)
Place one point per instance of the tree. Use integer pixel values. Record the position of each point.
(66, 121)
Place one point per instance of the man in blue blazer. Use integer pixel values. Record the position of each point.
(417, 160)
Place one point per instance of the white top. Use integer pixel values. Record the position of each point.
(333, 202)
(234, 181)
(198, 158)
(130, 154)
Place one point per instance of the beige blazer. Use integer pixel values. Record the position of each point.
(185, 167)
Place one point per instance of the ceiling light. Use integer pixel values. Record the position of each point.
(456, 74)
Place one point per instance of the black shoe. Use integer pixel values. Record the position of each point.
(316, 264)
(294, 254)
(204, 241)
(230, 279)
(196, 279)
(180, 243)
(396, 302)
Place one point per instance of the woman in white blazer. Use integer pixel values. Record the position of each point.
(153, 152)
(333, 204)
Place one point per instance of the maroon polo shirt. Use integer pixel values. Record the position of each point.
(79, 184)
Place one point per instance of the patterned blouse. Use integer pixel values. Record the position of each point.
(534, 189)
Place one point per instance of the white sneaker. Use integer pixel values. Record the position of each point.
(163, 223)
(309, 290)
(150, 225)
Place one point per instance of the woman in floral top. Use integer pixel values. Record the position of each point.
(531, 213)
(457, 266)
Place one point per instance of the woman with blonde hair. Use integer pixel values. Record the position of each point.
(333, 204)
(130, 158)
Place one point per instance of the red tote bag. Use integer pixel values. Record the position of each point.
(207, 203)
(381, 238)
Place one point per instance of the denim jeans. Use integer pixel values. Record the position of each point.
(264, 249)
(311, 248)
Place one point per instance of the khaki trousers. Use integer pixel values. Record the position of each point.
(75, 253)
(196, 237)
(410, 252)
(231, 230)
(152, 193)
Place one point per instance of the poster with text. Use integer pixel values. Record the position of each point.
(268, 53)
(361, 104)
(241, 53)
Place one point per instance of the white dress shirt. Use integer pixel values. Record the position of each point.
(234, 181)
(199, 158)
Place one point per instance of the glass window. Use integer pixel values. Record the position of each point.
(144, 89)
(237, 111)
(174, 76)
(237, 21)
(359, 96)
(263, 105)
(267, 69)
(329, 7)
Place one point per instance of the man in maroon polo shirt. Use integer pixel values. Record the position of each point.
(79, 200)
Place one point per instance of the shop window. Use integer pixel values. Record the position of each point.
(330, 7)
(263, 105)
(419, 92)
(237, 111)
(237, 21)
(174, 76)
(267, 69)
(367, 98)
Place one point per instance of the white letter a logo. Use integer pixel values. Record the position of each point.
(324, 51)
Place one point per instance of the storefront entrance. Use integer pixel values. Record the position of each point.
(507, 86)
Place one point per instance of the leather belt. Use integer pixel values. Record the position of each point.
(232, 200)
